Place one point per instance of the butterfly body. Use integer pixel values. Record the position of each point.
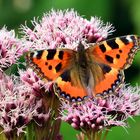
(81, 63)
(97, 70)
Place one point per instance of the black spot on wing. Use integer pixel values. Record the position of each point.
(124, 40)
(51, 54)
(102, 47)
(105, 68)
(117, 56)
(58, 67)
(50, 67)
(120, 51)
(39, 54)
(112, 44)
(60, 56)
(66, 76)
(109, 58)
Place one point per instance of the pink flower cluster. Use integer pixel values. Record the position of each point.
(10, 48)
(65, 29)
(37, 85)
(18, 105)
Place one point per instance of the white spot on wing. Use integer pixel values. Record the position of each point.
(128, 38)
(35, 54)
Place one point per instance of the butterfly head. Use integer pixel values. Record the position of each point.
(80, 47)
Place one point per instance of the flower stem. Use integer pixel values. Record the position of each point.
(98, 135)
(2, 136)
(94, 135)
(105, 135)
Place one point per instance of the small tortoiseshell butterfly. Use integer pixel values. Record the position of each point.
(97, 70)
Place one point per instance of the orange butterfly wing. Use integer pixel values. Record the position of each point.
(112, 80)
(57, 65)
(68, 86)
(113, 56)
(117, 53)
(49, 64)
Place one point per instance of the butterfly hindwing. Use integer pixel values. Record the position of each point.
(68, 86)
(113, 78)
(117, 52)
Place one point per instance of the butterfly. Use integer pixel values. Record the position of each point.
(95, 71)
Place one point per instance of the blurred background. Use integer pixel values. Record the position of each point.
(123, 14)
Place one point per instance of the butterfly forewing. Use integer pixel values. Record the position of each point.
(117, 52)
(50, 64)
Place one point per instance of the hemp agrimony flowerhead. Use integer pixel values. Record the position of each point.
(18, 107)
(65, 29)
(11, 48)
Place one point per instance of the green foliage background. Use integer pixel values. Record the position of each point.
(123, 14)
